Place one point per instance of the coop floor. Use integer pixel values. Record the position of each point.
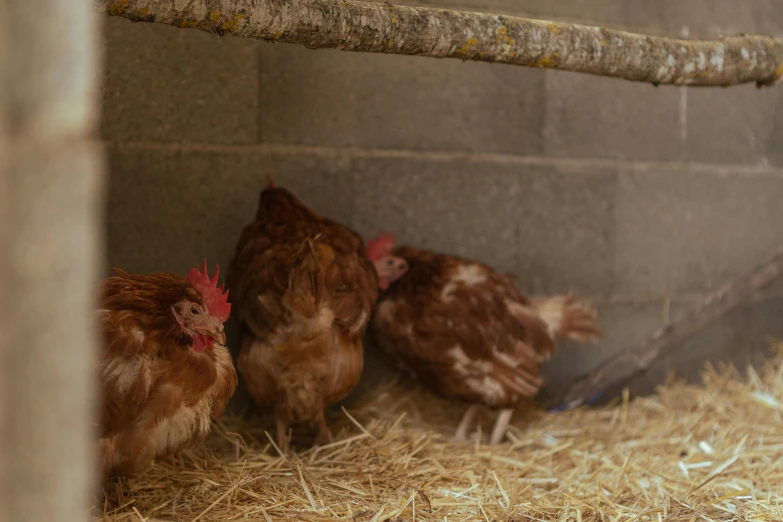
(711, 452)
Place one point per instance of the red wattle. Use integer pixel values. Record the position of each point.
(199, 343)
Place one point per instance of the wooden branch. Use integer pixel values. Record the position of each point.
(620, 369)
(351, 25)
(52, 188)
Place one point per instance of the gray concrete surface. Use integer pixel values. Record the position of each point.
(620, 192)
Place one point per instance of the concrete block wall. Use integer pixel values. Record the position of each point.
(627, 194)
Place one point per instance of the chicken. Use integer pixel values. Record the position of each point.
(304, 289)
(466, 332)
(165, 370)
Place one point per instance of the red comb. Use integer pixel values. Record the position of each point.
(381, 246)
(269, 183)
(216, 301)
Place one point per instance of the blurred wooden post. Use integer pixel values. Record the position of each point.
(50, 221)
(5, 238)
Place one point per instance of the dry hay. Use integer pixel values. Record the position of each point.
(710, 452)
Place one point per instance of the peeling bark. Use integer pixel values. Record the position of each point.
(623, 367)
(351, 25)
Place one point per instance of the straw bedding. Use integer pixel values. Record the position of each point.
(688, 453)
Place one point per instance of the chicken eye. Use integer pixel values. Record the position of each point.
(390, 262)
(194, 310)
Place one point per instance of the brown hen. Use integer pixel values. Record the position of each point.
(165, 370)
(466, 332)
(304, 289)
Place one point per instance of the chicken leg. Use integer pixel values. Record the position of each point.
(324, 434)
(501, 425)
(466, 423)
(282, 428)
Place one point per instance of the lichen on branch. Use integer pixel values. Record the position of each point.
(352, 25)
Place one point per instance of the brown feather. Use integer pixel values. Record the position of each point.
(158, 394)
(464, 330)
(303, 289)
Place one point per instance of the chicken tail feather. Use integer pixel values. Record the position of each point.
(569, 318)
(306, 289)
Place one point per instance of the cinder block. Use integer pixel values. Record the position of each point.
(551, 226)
(168, 210)
(741, 337)
(592, 117)
(334, 98)
(689, 230)
(774, 146)
(136, 207)
(177, 85)
(702, 18)
(471, 209)
(565, 229)
(733, 125)
(768, 17)
(706, 18)
(320, 182)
